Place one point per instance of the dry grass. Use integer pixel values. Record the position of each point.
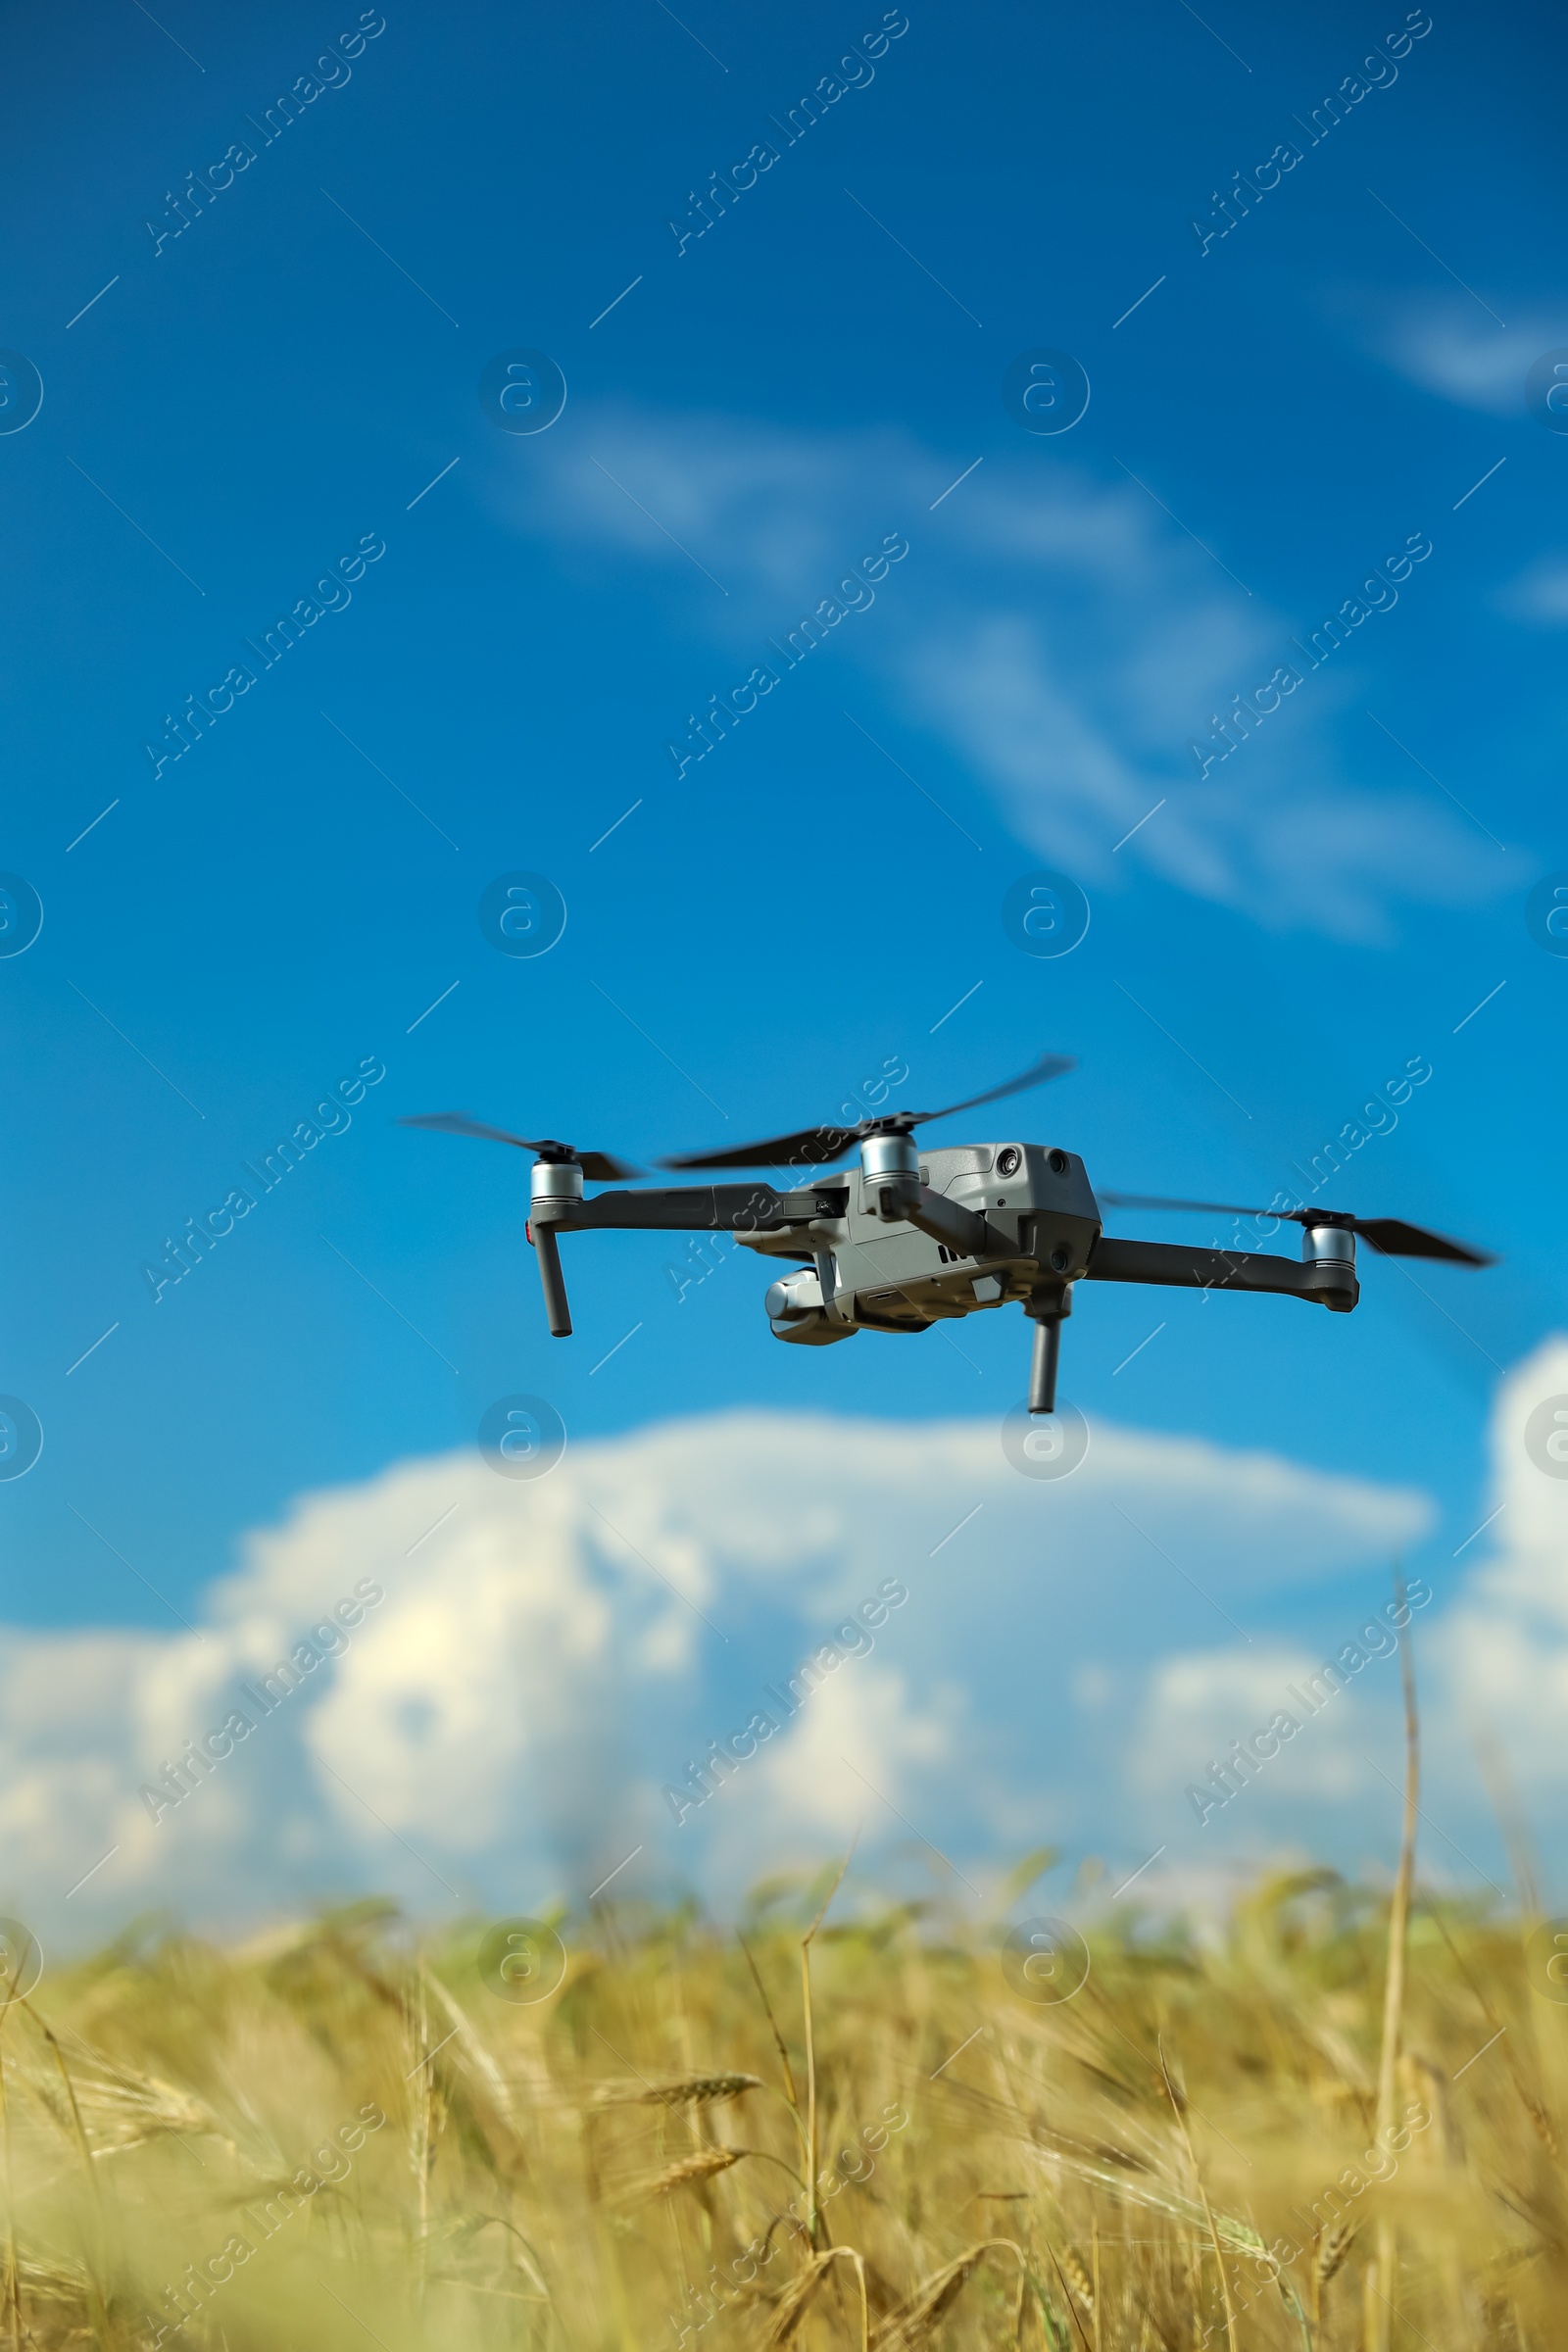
(623, 2166)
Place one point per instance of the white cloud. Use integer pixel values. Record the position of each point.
(1450, 347)
(500, 1725)
(1077, 765)
(1063, 649)
(549, 1657)
(862, 1736)
(1493, 1661)
(1503, 1654)
(1537, 595)
(1200, 1704)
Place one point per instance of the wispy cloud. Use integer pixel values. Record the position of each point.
(1446, 347)
(1062, 641)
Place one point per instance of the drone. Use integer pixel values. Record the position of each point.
(909, 1238)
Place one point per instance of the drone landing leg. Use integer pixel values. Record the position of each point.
(1049, 1306)
(552, 1282)
(1043, 1369)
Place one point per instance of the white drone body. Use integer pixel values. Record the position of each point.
(905, 1239)
(1025, 1215)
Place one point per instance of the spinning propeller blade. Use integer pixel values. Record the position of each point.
(600, 1167)
(809, 1146)
(1391, 1236)
(819, 1146)
(1395, 1238)
(1049, 1065)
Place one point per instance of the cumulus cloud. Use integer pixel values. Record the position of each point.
(1200, 1704)
(509, 1675)
(863, 1733)
(1503, 1654)
(1492, 1654)
(1065, 651)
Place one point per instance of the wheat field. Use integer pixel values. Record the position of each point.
(340, 2135)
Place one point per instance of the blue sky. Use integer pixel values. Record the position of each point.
(295, 376)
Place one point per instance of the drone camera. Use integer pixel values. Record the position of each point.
(795, 1312)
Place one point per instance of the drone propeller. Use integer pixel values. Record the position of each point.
(1391, 1236)
(819, 1146)
(600, 1167)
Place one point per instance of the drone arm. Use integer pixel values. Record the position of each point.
(745, 1210)
(742, 1209)
(1331, 1283)
(940, 1219)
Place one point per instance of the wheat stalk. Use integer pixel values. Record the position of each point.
(797, 2297)
(917, 2320)
(702, 2166)
(1332, 2249)
(261, 2063)
(1078, 2277)
(690, 2090)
